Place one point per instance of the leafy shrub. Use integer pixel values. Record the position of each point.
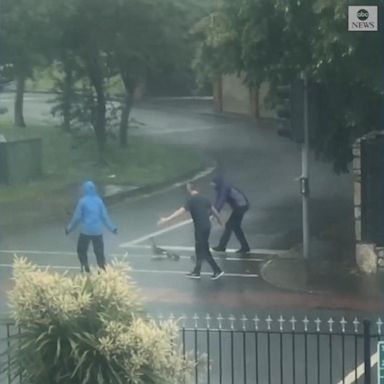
(89, 329)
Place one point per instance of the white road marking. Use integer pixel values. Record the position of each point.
(256, 251)
(156, 233)
(355, 374)
(31, 252)
(119, 255)
(152, 271)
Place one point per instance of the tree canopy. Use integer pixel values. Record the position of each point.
(90, 42)
(275, 40)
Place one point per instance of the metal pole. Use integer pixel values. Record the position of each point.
(367, 351)
(305, 174)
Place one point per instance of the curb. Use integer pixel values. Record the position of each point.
(304, 287)
(196, 174)
(115, 198)
(283, 287)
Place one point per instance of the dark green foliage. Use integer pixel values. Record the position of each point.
(275, 40)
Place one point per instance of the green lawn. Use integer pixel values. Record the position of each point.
(44, 81)
(68, 161)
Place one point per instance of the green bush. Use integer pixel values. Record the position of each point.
(89, 329)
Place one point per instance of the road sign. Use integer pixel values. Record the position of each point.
(380, 363)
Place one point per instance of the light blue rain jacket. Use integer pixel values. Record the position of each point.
(91, 213)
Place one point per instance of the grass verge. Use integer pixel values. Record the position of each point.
(69, 160)
(45, 81)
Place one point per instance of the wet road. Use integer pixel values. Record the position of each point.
(255, 159)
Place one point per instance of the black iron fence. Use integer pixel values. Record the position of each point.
(272, 351)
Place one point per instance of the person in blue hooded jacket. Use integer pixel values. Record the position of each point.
(91, 214)
(236, 199)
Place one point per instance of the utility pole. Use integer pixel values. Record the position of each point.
(304, 180)
(298, 112)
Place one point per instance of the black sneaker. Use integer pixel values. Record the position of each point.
(218, 249)
(193, 275)
(217, 275)
(243, 251)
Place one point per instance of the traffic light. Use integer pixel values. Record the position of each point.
(291, 110)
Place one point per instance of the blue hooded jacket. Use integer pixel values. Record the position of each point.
(91, 213)
(226, 193)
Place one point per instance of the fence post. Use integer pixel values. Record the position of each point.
(367, 351)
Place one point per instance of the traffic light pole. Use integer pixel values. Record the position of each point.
(305, 175)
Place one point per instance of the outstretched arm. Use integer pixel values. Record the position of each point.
(106, 220)
(76, 218)
(165, 220)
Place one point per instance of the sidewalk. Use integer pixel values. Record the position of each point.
(323, 277)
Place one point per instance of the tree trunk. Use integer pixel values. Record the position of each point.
(129, 87)
(67, 93)
(101, 136)
(124, 122)
(97, 80)
(255, 100)
(19, 101)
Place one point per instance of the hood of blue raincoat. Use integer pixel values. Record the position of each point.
(89, 189)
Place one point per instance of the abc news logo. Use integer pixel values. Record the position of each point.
(362, 18)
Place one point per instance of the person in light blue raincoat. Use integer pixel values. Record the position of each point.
(92, 216)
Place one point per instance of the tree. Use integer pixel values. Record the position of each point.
(90, 42)
(22, 24)
(147, 38)
(276, 40)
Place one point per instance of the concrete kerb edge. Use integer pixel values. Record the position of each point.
(152, 188)
(137, 193)
(292, 255)
(274, 284)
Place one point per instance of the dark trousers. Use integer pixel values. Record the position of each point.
(234, 225)
(98, 249)
(202, 250)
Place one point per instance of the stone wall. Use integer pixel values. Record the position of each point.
(232, 95)
(236, 96)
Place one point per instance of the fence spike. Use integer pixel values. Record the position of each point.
(343, 323)
(196, 319)
(306, 322)
(184, 320)
(208, 319)
(318, 324)
(379, 324)
(244, 322)
(330, 323)
(220, 319)
(281, 321)
(232, 320)
(356, 324)
(293, 321)
(269, 321)
(256, 320)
